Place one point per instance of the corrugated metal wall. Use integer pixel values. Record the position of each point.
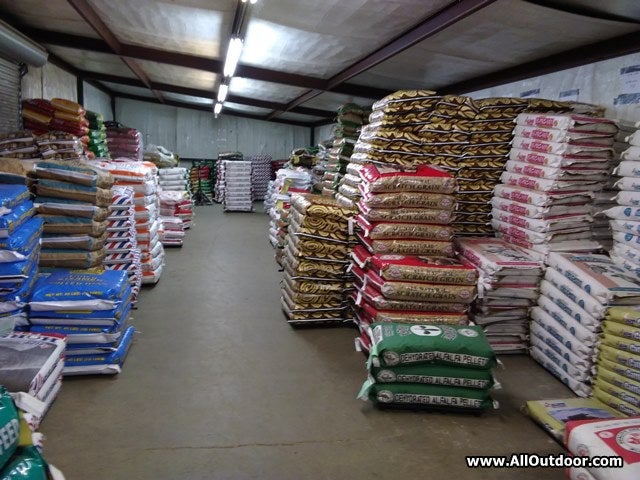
(97, 101)
(9, 95)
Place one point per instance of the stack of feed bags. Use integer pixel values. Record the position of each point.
(409, 289)
(478, 169)
(202, 177)
(574, 296)
(617, 380)
(440, 367)
(625, 216)
(288, 181)
(173, 179)
(614, 442)
(556, 164)
(142, 178)
(315, 258)
(508, 287)
(72, 200)
(20, 234)
(318, 172)
(32, 366)
(121, 247)
(60, 146)
(97, 135)
(219, 188)
(92, 311)
(57, 115)
(19, 144)
(406, 212)
(260, 175)
(176, 204)
(351, 117)
(124, 142)
(238, 196)
(172, 232)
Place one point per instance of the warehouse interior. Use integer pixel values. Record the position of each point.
(217, 384)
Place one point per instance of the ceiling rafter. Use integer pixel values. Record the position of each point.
(213, 65)
(207, 109)
(196, 92)
(437, 22)
(87, 12)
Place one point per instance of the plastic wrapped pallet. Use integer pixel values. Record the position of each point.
(508, 287)
(260, 175)
(238, 196)
(92, 310)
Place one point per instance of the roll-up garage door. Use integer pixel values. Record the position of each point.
(9, 95)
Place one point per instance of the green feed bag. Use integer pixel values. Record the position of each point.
(434, 375)
(396, 344)
(26, 464)
(431, 396)
(625, 315)
(9, 427)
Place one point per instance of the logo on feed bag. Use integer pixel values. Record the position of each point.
(426, 330)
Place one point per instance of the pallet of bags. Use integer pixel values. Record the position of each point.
(171, 231)
(72, 199)
(19, 144)
(142, 178)
(124, 142)
(260, 175)
(32, 366)
(121, 246)
(507, 288)
(91, 309)
(238, 196)
(574, 297)
(432, 367)
(316, 284)
(176, 204)
(20, 235)
(288, 181)
(173, 179)
(557, 163)
(409, 290)
(617, 378)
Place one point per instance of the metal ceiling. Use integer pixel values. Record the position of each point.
(303, 58)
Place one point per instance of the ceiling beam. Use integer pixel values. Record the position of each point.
(195, 92)
(58, 62)
(615, 47)
(87, 12)
(209, 109)
(451, 14)
(213, 65)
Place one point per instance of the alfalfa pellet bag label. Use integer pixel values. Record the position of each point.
(397, 344)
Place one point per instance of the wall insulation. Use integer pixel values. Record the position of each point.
(325, 132)
(614, 84)
(195, 134)
(49, 82)
(9, 95)
(97, 101)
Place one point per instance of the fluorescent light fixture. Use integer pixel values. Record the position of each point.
(233, 55)
(222, 92)
(217, 109)
(252, 1)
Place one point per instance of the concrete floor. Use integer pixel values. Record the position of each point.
(218, 386)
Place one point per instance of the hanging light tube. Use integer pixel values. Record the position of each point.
(233, 55)
(217, 109)
(222, 92)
